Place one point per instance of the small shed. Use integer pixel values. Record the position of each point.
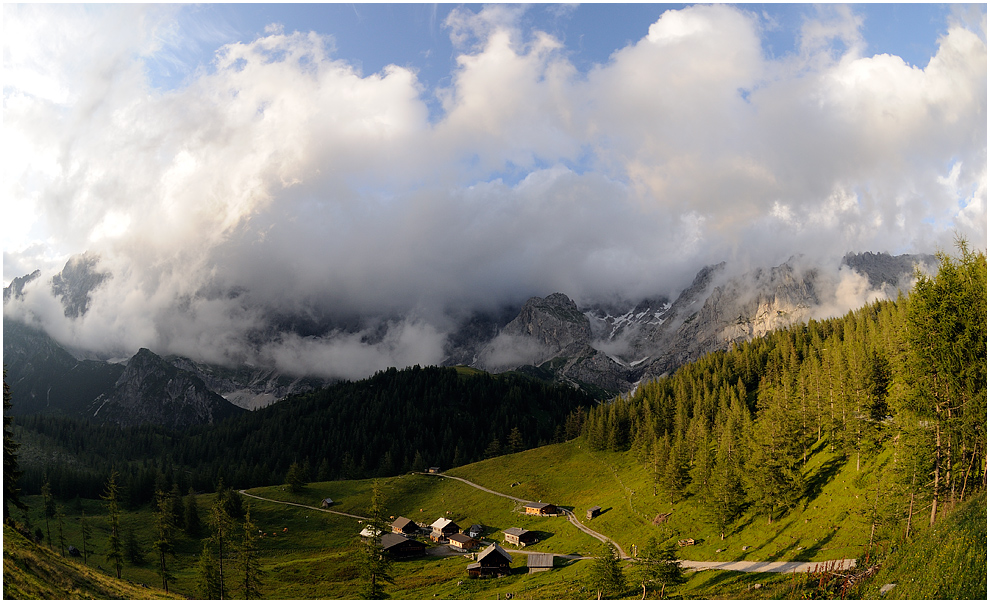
(541, 508)
(475, 530)
(520, 536)
(539, 562)
(442, 529)
(685, 542)
(397, 545)
(461, 542)
(594, 512)
(404, 525)
(493, 561)
(327, 502)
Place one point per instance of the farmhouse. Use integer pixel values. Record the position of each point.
(540, 562)
(541, 508)
(493, 561)
(433, 470)
(399, 546)
(404, 525)
(520, 537)
(594, 512)
(461, 542)
(442, 529)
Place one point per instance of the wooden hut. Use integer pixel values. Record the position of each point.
(594, 512)
(397, 545)
(541, 508)
(539, 562)
(493, 561)
(461, 542)
(404, 525)
(520, 536)
(442, 529)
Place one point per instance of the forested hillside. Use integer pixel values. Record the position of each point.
(733, 429)
(393, 422)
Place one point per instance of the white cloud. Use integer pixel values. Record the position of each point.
(284, 180)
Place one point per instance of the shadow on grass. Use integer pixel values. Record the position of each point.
(824, 475)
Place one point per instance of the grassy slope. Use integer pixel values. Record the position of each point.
(946, 562)
(34, 572)
(308, 554)
(827, 526)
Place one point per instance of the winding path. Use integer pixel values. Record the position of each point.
(570, 516)
(779, 567)
(308, 507)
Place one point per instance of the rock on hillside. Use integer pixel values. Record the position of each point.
(150, 390)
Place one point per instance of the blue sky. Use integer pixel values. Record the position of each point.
(372, 36)
(228, 161)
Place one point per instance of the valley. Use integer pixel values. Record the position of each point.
(844, 443)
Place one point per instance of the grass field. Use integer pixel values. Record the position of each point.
(310, 554)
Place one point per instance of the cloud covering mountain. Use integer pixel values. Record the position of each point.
(283, 184)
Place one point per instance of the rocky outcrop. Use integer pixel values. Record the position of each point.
(74, 284)
(15, 290)
(44, 377)
(551, 333)
(247, 387)
(150, 390)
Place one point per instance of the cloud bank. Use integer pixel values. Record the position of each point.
(281, 181)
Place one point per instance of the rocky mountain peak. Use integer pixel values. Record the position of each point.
(150, 390)
(76, 281)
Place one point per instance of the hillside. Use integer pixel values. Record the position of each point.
(34, 572)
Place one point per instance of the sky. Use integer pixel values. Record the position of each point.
(228, 163)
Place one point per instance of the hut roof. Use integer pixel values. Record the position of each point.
(539, 560)
(442, 523)
(516, 531)
(494, 550)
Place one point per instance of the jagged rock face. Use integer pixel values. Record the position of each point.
(739, 310)
(553, 334)
(16, 287)
(544, 329)
(150, 390)
(246, 387)
(884, 270)
(75, 283)
(44, 377)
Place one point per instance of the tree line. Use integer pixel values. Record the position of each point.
(390, 423)
(735, 428)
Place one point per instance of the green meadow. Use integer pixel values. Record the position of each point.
(311, 554)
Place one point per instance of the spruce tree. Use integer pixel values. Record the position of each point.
(208, 578)
(11, 470)
(377, 567)
(607, 578)
(86, 531)
(250, 567)
(658, 566)
(164, 543)
(114, 552)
